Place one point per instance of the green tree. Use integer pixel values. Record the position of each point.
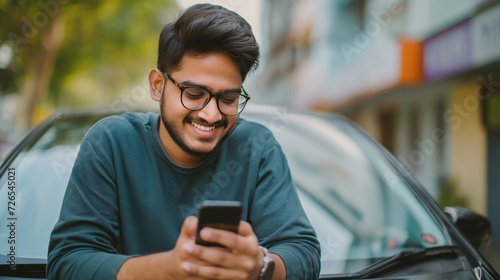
(78, 52)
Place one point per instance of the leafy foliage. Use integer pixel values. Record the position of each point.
(106, 47)
(451, 195)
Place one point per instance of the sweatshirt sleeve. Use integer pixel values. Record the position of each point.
(278, 216)
(84, 240)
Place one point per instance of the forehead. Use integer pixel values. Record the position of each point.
(215, 70)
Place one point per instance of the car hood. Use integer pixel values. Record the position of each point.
(473, 274)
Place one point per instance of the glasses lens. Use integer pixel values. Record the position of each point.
(194, 98)
(232, 103)
(197, 98)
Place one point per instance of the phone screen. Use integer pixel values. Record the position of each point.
(225, 215)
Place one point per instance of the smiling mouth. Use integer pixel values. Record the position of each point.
(203, 128)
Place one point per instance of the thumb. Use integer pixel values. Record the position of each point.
(245, 229)
(189, 227)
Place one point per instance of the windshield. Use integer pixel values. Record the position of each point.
(33, 187)
(360, 206)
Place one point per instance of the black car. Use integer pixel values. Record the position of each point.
(373, 219)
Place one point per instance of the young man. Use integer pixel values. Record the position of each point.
(128, 210)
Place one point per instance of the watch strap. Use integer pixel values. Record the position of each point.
(267, 271)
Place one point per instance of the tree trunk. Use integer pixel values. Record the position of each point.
(41, 66)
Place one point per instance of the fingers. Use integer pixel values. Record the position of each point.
(244, 242)
(189, 227)
(222, 257)
(239, 259)
(212, 272)
(240, 253)
(245, 229)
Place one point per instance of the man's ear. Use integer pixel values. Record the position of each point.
(156, 82)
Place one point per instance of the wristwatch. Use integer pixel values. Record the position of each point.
(267, 271)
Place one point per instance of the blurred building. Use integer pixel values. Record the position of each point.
(423, 77)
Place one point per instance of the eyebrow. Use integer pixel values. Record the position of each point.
(189, 83)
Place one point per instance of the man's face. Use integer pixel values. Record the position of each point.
(197, 133)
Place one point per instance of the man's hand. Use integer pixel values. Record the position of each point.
(241, 259)
(164, 265)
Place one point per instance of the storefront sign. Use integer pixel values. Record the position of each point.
(448, 52)
(486, 37)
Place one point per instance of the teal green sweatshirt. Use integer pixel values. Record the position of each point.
(126, 198)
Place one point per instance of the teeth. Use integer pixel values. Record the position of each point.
(204, 128)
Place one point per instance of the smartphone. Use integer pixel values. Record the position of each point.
(220, 214)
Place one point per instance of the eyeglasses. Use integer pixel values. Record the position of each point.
(196, 98)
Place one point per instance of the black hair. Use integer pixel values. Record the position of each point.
(204, 29)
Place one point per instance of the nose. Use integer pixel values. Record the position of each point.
(211, 112)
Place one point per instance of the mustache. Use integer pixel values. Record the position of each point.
(203, 122)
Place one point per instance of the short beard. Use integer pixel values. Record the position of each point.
(176, 135)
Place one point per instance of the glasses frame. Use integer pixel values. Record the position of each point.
(216, 95)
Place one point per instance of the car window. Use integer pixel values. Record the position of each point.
(33, 187)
